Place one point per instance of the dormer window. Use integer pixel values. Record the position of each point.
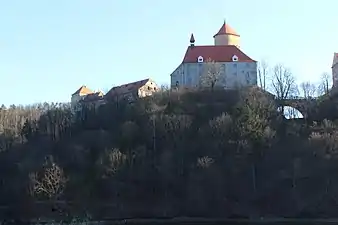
(200, 59)
(235, 58)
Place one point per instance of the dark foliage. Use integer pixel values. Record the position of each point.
(206, 154)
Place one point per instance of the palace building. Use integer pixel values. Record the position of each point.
(236, 68)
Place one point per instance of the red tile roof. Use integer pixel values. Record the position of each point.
(125, 88)
(226, 29)
(217, 53)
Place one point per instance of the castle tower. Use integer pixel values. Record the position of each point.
(227, 36)
(335, 70)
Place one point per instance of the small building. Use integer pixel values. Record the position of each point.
(132, 91)
(129, 92)
(235, 68)
(85, 95)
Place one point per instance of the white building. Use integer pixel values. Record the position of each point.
(236, 68)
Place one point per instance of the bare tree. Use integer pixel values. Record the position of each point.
(283, 82)
(205, 162)
(325, 144)
(263, 74)
(324, 85)
(111, 162)
(292, 113)
(257, 109)
(218, 132)
(174, 129)
(211, 74)
(308, 89)
(50, 183)
(254, 126)
(130, 131)
(173, 126)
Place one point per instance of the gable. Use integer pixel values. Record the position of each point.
(83, 90)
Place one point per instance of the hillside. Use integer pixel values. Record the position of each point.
(198, 154)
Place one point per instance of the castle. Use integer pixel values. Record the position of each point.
(236, 68)
(129, 92)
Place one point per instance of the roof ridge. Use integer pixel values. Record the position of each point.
(214, 46)
(134, 84)
(131, 83)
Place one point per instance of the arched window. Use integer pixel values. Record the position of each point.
(200, 59)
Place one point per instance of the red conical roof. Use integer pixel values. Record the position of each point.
(226, 29)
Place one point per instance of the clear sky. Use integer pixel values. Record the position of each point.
(48, 49)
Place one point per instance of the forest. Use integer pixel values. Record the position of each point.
(192, 153)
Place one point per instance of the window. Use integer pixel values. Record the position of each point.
(149, 88)
(200, 59)
(234, 58)
(177, 83)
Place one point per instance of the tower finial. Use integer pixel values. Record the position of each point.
(192, 40)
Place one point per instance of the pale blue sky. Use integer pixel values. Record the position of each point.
(48, 49)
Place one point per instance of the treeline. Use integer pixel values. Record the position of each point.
(205, 153)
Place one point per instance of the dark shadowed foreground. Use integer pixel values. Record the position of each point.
(201, 221)
(210, 154)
